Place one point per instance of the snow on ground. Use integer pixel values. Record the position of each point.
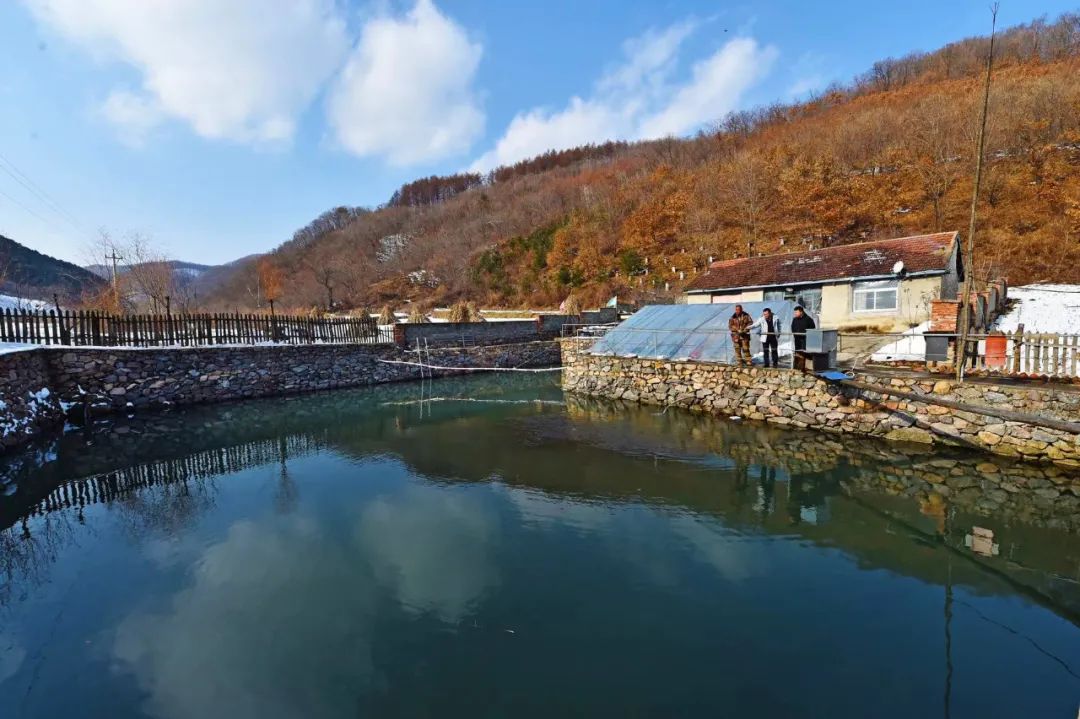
(7, 302)
(6, 347)
(1040, 308)
(1043, 308)
(21, 421)
(910, 347)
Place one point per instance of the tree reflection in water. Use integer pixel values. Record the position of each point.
(288, 555)
(160, 472)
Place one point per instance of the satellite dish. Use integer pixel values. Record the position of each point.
(898, 268)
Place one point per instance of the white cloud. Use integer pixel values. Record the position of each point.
(406, 91)
(640, 99)
(261, 631)
(805, 85)
(433, 548)
(809, 76)
(240, 70)
(536, 131)
(136, 115)
(650, 59)
(715, 89)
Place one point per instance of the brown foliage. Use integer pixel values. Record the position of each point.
(891, 154)
(271, 280)
(460, 312)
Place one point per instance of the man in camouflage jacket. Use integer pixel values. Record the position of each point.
(739, 326)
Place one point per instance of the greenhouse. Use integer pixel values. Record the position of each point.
(690, 332)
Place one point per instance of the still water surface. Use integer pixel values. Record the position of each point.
(364, 554)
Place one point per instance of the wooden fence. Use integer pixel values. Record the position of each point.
(89, 328)
(1043, 354)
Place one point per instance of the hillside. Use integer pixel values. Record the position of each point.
(889, 154)
(157, 284)
(28, 274)
(187, 270)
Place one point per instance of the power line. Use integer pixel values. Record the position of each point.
(44, 197)
(32, 212)
(23, 179)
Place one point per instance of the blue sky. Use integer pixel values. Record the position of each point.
(218, 128)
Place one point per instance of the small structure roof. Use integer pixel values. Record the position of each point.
(687, 332)
(921, 255)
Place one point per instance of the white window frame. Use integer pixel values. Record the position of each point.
(875, 290)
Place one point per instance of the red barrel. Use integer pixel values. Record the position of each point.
(996, 346)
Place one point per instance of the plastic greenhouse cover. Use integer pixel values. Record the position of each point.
(690, 332)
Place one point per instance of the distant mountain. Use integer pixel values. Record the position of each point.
(191, 280)
(29, 274)
(187, 270)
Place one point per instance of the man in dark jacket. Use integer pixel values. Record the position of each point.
(739, 325)
(799, 325)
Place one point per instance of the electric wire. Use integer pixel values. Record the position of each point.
(39, 192)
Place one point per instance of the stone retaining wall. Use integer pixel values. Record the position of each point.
(27, 403)
(1036, 494)
(466, 334)
(789, 398)
(100, 380)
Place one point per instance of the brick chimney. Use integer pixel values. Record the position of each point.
(977, 314)
(944, 315)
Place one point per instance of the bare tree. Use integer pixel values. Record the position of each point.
(323, 267)
(150, 273)
(744, 188)
(935, 143)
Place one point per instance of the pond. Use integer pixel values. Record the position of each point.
(488, 547)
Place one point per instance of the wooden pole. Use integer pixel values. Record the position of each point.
(969, 259)
(1005, 414)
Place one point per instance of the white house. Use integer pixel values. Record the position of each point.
(884, 284)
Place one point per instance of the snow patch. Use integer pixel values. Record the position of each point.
(390, 247)
(911, 347)
(10, 302)
(423, 277)
(22, 420)
(6, 347)
(1043, 308)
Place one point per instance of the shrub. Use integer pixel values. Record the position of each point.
(474, 313)
(459, 312)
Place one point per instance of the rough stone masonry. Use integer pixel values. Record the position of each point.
(789, 398)
(38, 386)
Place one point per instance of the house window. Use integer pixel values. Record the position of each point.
(809, 298)
(879, 296)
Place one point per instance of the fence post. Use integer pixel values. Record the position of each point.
(1018, 344)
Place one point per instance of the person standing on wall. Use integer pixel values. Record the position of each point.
(739, 325)
(799, 325)
(768, 327)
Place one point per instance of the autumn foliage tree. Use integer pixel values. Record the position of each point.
(271, 281)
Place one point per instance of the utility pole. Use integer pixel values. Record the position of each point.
(115, 287)
(969, 255)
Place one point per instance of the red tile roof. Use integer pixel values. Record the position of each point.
(920, 254)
